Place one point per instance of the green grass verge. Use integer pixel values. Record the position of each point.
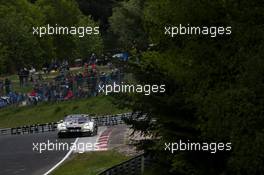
(52, 112)
(90, 163)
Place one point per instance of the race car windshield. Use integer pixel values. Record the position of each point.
(82, 120)
(76, 119)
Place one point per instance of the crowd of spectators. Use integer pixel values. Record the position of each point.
(65, 86)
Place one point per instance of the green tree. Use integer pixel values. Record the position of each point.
(99, 10)
(126, 24)
(21, 47)
(3, 59)
(88, 44)
(67, 14)
(214, 86)
(61, 13)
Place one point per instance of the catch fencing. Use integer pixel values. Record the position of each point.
(134, 166)
(108, 120)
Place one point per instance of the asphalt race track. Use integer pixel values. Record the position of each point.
(18, 158)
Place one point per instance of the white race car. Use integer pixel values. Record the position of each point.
(77, 123)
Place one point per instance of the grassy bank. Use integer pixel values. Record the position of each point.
(52, 112)
(90, 163)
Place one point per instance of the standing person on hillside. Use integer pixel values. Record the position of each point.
(53, 91)
(103, 78)
(7, 86)
(93, 82)
(26, 71)
(1, 87)
(32, 71)
(20, 76)
(86, 71)
(23, 75)
(71, 81)
(79, 79)
(92, 58)
(93, 65)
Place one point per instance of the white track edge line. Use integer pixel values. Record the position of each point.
(62, 160)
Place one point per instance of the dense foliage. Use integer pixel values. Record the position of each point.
(19, 47)
(127, 25)
(214, 85)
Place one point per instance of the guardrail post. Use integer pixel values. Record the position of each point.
(54, 126)
(42, 127)
(36, 128)
(142, 163)
(49, 127)
(12, 131)
(18, 130)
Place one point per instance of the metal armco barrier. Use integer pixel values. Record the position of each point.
(134, 166)
(38, 128)
(108, 120)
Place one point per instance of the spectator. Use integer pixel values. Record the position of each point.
(80, 92)
(26, 76)
(7, 86)
(93, 82)
(103, 78)
(1, 88)
(79, 79)
(93, 58)
(33, 93)
(32, 71)
(20, 76)
(69, 95)
(70, 82)
(45, 68)
(93, 66)
(40, 78)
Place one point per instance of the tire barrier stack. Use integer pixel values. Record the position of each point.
(108, 120)
(134, 166)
